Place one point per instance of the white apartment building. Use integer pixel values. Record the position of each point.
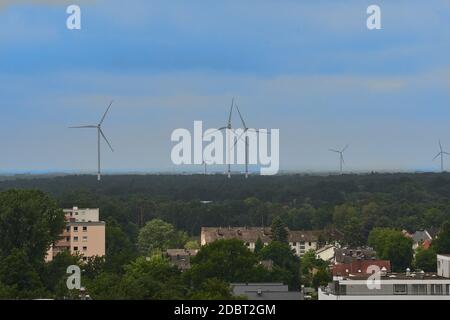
(392, 286)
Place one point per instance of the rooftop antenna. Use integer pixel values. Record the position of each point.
(99, 135)
(246, 139)
(341, 156)
(441, 154)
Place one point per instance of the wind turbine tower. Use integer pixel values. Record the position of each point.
(100, 135)
(441, 154)
(341, 157)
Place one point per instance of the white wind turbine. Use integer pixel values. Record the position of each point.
(441, 154)
(99, 135)
(229, 127)
(341, 157)
(246, 129)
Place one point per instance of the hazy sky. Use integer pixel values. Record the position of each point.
(310, 68)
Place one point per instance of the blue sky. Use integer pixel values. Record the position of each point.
(310, 68)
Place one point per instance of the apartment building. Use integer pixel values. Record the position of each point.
(84, 234)
(300, 241)
(392, 286)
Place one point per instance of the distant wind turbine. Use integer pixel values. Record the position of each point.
(441, 154)
(228, 126)
(341, 157)
(99, 133)
(246, 139)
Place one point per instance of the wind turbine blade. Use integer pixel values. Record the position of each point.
(437, 155)
(240, 116)
(333, 150)
(231, 111)
(342, 158)
(239, 138)
(258, 131)
(345, 148)
(209, 133)
(445, 152)
(82, 127)
(440, 145)
(104, 115)
(104, 137)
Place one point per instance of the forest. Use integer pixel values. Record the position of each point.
(367, 209)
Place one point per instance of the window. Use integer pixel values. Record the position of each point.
(68, 228)
(309, 244)
(419, 289)
(84, 258)
(67, 239)
(302, 243)
(75, 229)
(294, 244)
(436, 289)
(400, 289)
(75, 248)
(84, 229)
(84, 238)
(247, 244)
(447, 289)
(84, 248)
(75, 238)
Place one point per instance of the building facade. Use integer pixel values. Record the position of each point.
(84, 234)
(391, 286)
(299, 240)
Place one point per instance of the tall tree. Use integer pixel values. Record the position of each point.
(30, 221)
(391, 244)
(157, 234)
(279, 230)
(442, 243)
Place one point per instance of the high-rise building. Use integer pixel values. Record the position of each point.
(84, 234)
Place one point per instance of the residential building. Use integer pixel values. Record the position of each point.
(326, 253)
(347, 255)
(299, 240)
(84, 234)
(360, 267)
(443, 265)
(392, 286)
(181, 257)
(265, 291)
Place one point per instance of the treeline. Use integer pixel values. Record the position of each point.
(355, 204)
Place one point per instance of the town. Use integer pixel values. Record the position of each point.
(312, 245)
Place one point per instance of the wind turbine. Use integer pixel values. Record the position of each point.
(99, 135)
(341, 156)
(246, 139)
(228, 126)
(205, 163)
(441, 154)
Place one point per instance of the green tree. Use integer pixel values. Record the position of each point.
(279, 231)
(442, 243)
(426, 260)
(213, 289)
(321, 277)
(152, 278)
(21, 277)
(29, 220)
(227, 260)
(286, 263)
(157, 234)
(56, 270)
(391, 244)
(259, 245)
(119, 249)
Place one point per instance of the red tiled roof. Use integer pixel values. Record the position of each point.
(359, 265)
